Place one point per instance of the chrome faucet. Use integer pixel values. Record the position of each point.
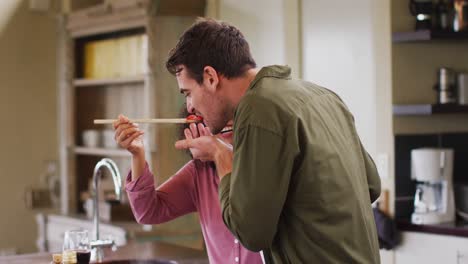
(97, 254)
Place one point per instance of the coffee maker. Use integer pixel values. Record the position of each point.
(432, 169)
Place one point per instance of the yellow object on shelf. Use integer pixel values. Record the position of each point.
(117, 57)
(122, 48)
(143, 55)
(89, 59)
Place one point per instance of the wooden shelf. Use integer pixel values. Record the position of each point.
(110, 81)
(428, 35)
(428, 109)
(84, 99)
(101, 152)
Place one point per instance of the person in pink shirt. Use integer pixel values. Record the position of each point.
(194, 188)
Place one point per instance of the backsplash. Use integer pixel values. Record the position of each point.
(404, 186)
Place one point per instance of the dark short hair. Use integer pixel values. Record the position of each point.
(211, 43)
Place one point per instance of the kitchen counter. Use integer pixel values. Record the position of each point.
(131, 251)
(458, 228)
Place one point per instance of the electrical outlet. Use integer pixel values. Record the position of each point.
(382, 165)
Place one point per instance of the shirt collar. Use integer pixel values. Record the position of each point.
(274, 71)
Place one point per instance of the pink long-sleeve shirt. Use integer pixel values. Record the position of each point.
(194, 188)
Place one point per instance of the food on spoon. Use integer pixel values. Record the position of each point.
(194, 118)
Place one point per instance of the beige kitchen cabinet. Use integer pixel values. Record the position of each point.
(426, 248)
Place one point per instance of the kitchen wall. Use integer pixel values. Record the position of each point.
(270, 26)
(347, 48)
(27, 114)
(414, 71)
(340, 53)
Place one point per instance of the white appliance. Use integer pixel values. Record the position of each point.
(432, 169)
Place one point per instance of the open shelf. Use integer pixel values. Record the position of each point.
(101, 152)
(110, 81)
(429, 109)
(428, 35)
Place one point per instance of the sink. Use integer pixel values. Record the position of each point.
(135, 261)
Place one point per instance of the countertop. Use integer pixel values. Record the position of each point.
(458, 228)
(131, 251)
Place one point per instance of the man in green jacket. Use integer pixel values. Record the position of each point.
(297, 184)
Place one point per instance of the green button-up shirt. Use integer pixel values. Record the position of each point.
(302, 184)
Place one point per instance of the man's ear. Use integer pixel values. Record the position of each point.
(210, 78)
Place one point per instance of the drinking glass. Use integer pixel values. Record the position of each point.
(77, 241)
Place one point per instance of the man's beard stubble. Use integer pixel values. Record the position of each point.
(226, 114)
